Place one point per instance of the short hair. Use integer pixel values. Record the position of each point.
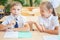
(15, 3)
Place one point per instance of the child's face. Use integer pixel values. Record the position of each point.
(44, 11)
(16, 10)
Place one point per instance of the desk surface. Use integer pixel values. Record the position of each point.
(35, 35)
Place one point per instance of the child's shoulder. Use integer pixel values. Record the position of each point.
(55, 17)
(8, 17)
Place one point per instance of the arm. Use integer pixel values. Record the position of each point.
(55, 31)
(2, 27)
(39, 27)
(43, 29)
(25, 28)
(56, 24)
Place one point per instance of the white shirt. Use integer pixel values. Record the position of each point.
(49, 23)
(21, 20)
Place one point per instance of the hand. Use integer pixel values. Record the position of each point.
(43, 28)
(3, 27)
(11, 24)
(39, 27)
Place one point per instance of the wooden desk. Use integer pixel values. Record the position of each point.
(35, 36)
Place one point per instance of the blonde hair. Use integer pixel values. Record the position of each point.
(49, 6)
(15, 3)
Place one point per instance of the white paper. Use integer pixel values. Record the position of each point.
(11, 35)
(50, 37)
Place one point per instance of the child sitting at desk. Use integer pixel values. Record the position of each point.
(15, 21)
(48, 21)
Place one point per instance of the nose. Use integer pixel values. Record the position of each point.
(15, 11)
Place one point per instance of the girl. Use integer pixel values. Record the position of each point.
(15, 21)
(48, 22)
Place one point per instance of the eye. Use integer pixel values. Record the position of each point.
(18, 9)
(13, 9)
(42, 10)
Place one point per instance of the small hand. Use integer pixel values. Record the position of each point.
(11, 24)
(43, 28)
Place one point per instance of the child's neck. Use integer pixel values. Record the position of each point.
(14, 15)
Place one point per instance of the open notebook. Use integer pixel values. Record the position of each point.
(11, 35)
(18, 35)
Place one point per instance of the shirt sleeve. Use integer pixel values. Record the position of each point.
(56, 22)
(24, 20)
(5, 22)
(40, 21)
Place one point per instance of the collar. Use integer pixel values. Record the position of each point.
(15, 16)
(49, 18)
